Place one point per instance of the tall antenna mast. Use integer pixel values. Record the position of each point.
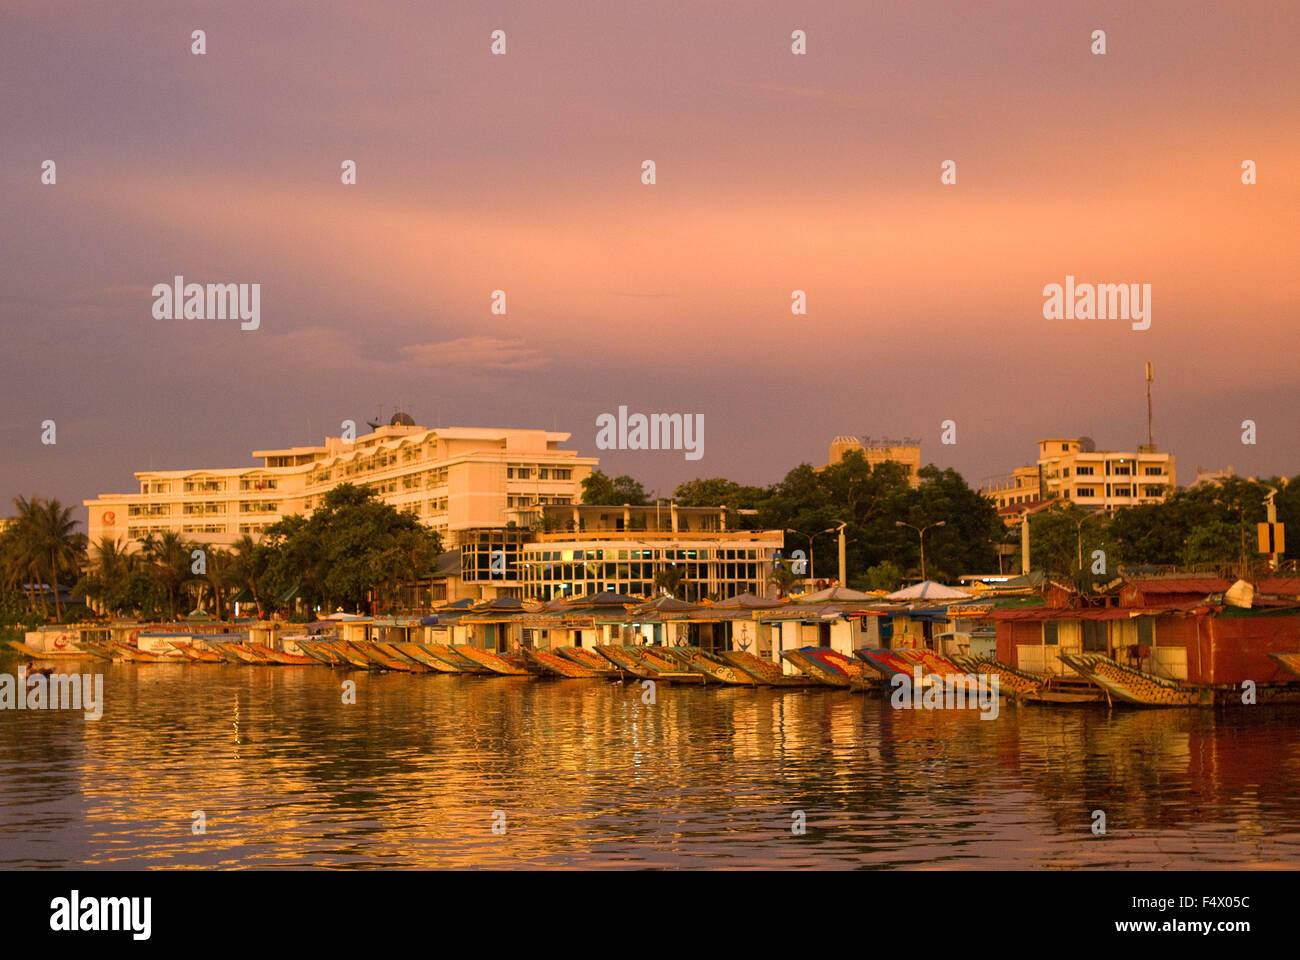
(1151, 444)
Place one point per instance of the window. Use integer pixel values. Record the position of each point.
(1146, 631)
(1085, 492)
(1065, 448)
(1083, 471)
(1049, 632)
(1123, 470)
(1094, 636)
(1154, 471)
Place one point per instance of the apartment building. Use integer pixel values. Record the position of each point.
(904, 453)
(1074, 469)
(454, 479)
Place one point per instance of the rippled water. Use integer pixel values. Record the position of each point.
(587, 775)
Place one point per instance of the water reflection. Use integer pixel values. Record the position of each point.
(589, 775)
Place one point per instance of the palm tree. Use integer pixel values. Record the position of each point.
(108, 568)
(783, 577)
(48, 542)
(670, 578)
(248, 566)
(169, 553)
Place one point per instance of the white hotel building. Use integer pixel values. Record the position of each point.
(453, 479)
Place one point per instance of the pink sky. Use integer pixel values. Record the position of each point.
(775, 172)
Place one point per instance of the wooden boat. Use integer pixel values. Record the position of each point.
(382, 660)
(71, 654)
(824, 665)
(416, 652)
(224, 650)
(765, 671)
(390, 650)
(347, 655)
(271, 655)
(491, 661)
(453, 656)
(1019, 683)
(196, 655)
(662, 668)
(102, 650)
(312, 648)
(715, 668)
(627, 665)
(136, 655)
(1134, 686)
(586, 657)
(547, 664)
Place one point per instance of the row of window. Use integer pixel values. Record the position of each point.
(520, 472)
(208, 486)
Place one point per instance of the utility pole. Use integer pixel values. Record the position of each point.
(840, 531)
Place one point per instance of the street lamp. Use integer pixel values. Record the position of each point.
(809, 537)
(920, 533)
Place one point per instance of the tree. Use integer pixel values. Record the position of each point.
(718, 492)
(670, 578)
(598, 489)
(248, 564)
(47, 544)
(353, 544)
(168, 554)
(108, 571)
(885, 575)
(783, 577)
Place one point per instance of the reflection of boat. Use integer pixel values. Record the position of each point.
(546, 664)
(826, 665)
(765, 671)
(1133, 686)
(589, 659)
(1290, 662)
(715, 668)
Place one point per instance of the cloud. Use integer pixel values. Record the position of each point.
(481, 353)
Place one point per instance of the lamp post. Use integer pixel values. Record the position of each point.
(920, 533)
(812, 575)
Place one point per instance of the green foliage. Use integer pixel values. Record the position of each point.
(598, 489)
(885, 575)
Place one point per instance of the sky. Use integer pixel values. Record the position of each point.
(522, 172)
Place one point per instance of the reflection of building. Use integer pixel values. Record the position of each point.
(453, 479)
(1074, 470)
(904, 452)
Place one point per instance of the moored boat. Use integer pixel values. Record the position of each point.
(1134, 686)
(458, 660)
(271, 655)
(715, 668)
(661, 667)
(491, 661)
(382, 660)
(417, 652)
(547, 664)
(586, 657)
(72, 653)
(826, 665)
(765, 671)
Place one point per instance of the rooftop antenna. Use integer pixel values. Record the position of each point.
(1151, 444)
